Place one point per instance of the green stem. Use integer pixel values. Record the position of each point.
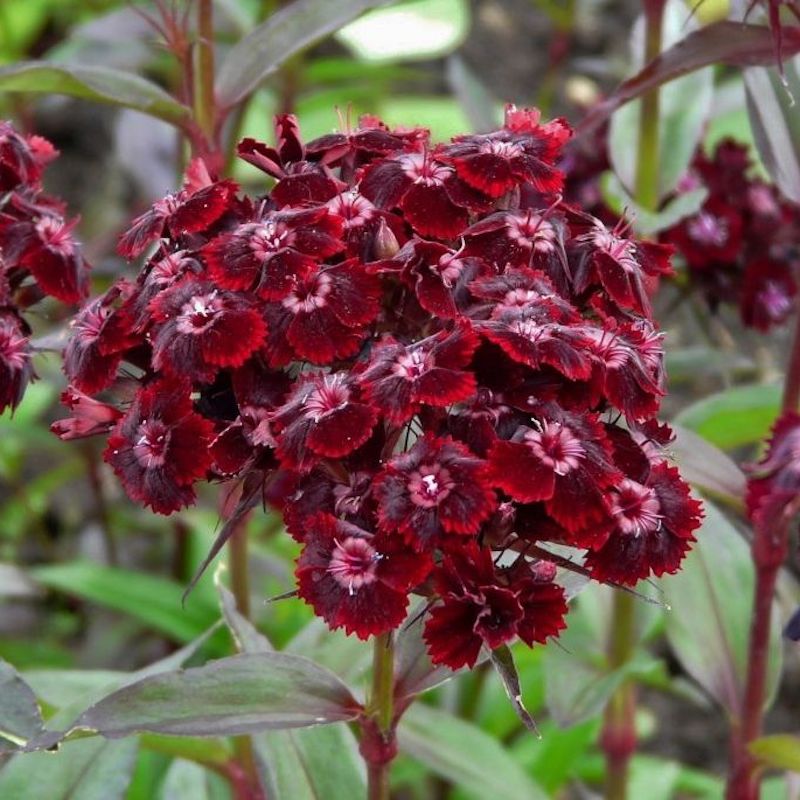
(648, 156)
(618, 737)
(240, 584)
(378, 745)
(204, 103)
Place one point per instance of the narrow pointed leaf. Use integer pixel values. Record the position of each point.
(320, 763)
(20, 718)
(462, 753)
(251, 495)
(237, 695)
(98, 84)
(732, 43)
(288, 31)
(711, 600)
(708, 468)
(775, 121)
(90, 769)
(503, 663)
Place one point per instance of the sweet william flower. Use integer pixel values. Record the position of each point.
(357, 580)
(39, 254)
(415, 353)
(160, 447)
(436, 488)
(481, 605)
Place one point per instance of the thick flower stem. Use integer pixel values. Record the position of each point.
(618, 737)
(240, 584)
(378, 743)
(203, 135)
(647, 165)
(770, 547)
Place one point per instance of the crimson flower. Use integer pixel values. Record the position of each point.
(481, 605)
(357, 580)
(434, 489)
(160, 447)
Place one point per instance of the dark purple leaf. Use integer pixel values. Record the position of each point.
(731, 43)
(237, 695)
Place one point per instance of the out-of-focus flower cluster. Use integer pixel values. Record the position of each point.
(743, 244)
(417, 352)
(741, 247)
(38, 254)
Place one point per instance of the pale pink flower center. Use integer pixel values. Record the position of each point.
(353, 563)
(199, 313)
(152, 439)
(636, 508)
(429, 485)
(314, 298)
(556, 446)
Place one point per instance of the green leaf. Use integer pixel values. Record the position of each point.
(290, 30)
(485, 113)
(345, 655)
(311, 764)
(578, 680)
(780, 752)
(153, 600)
(415, 29)
(775, 120)
(185, 780)
(462, 753)
(246, 636)
(648, 223)
(554, 758)
(734, 417)
(503, 662)
(82, 770)
(414, 672)
(232, 696)
(707, 468)
(711, 600)
(20, 718)
(98, 84)
(684, 105)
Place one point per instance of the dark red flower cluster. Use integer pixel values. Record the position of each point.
(741, 247)
(420, 355)
(38, 254)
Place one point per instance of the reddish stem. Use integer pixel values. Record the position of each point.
(770, 548)
(378, 744)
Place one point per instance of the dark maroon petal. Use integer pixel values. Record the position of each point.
(202, 208)
(342, 431)
(261, 156)
(144, 230)
(498, 620)
(450, 634)
(385, 183)
(544, 607)
(487, 172)
(431, 212)
(514, 468)
(16, 370)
